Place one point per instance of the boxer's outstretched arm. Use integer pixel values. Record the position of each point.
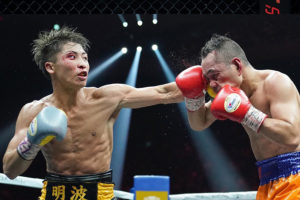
(141, 97)
(13, 164)
(125, 96)
(129, 97)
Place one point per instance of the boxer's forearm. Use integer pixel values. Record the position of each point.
(281, 132)
(14, 165)
(169, 93)
(200, 119)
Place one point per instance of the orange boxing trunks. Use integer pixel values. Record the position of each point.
(279, 177)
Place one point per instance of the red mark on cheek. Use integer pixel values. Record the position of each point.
(67, 62)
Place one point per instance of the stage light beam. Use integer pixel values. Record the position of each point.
(154, 20)
(123, 21)
(125, 24)
(99, 69)
(139, 20)
(124, 50)
(154, 47)
(221, 173)
(121, 127)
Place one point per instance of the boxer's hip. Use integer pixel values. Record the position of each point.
(279, 177)
(277, 167)
(89, 187)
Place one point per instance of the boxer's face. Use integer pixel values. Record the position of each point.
(218, 74)
(72, 65)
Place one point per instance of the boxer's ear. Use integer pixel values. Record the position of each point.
(238, 64)
(49, 67)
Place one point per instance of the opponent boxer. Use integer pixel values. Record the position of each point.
(73, 126)
(265, 102)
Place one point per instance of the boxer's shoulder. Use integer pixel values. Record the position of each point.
(110, 90)
(34, 107)
(276, 82)
(29, 111)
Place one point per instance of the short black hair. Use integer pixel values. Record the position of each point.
(225, 48)
(49, 43)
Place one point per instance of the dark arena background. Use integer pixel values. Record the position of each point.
(159, 142)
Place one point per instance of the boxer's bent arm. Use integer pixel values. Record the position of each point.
(147, 96)
(283, 127)
(202, 118)
(13, 164)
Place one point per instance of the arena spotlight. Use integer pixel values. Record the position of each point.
(139, 48)
(154, 21)
(139, 20)
(140, 23)
(56, 27)
(124, 23)
(121, 127)
(223, 175)
(124, 50)
(154, 47)
(96, 72)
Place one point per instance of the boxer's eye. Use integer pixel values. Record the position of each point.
(206, 78)
(71, 56)
(214, 76)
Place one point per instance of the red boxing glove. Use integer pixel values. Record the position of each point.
(232, 103)
(192, 84)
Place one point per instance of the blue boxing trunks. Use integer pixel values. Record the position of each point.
(279, 177)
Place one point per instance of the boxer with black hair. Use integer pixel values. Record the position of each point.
(265, 102)
(73, 126)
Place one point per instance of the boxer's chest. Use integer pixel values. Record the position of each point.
(260, 101)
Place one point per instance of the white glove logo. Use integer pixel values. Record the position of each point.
(32, 127)
(232, 102)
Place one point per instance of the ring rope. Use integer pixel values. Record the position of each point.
(38, 183)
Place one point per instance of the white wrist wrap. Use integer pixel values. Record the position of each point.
(254, 118)
(27, 150)
(194, 104)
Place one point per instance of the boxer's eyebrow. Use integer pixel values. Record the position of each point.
(210, 71)
(75, 52)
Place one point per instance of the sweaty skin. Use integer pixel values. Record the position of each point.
(269, 91)
(278, 97)
(88, 145)
(91, 112)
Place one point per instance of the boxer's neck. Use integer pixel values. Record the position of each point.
(251, 79)
(68, 98)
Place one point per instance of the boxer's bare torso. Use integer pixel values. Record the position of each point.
(269, 91)
(87, 147)
(265, 98)
(91, 112)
